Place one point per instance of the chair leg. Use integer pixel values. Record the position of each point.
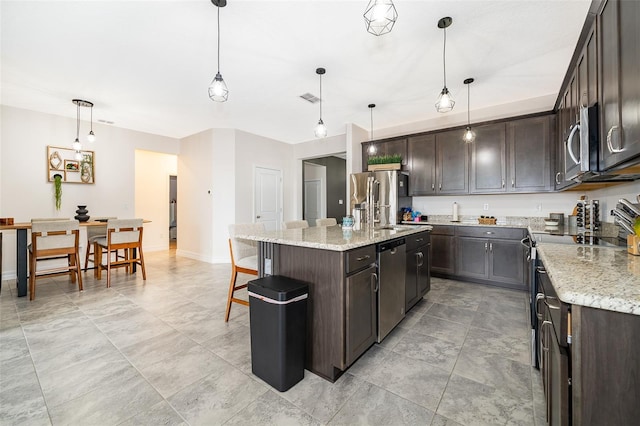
(144, 271)
(77, 271)
(108, 268)
(32, 277)
(97, 261)
(72, 262)
(232, 287)
(86, 257)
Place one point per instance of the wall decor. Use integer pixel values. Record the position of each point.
(63, 161)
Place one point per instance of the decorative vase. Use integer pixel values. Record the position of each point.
(82, 214)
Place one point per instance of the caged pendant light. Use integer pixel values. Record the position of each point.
(469, 135)
(372, 148)
(218, 88)
(445, 102)
(321, 129)
(380, 16)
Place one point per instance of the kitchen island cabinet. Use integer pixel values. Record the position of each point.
(590, 358)
(339, 267)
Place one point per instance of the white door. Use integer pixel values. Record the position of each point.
(312, 201)
(268, 197)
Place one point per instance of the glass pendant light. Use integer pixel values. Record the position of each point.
(372, 148)
(321, 129)
(91, 137)
(380, 16)
(77, 146)
(218, 88)
(445, 102)
(469, 135)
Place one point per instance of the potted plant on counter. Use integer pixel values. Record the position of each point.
(384, 162)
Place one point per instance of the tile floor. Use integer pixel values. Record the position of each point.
(160, 353)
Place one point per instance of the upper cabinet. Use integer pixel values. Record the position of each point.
(619, 48)
(439, 164)
(396, 146)
(489, 159)
(529, 148)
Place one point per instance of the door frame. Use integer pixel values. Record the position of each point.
(280, 200)
(323, 188)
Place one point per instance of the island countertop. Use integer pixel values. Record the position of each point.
(334, 238)
(597, 277)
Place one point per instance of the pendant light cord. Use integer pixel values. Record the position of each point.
(92, 118)
(468, 103)
(320, 96)
(444, 57)
(371, 123)
(218, 39)
(78, 121)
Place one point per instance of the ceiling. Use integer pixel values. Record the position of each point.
(146, 65)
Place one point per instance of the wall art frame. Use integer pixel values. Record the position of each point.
(62, 161)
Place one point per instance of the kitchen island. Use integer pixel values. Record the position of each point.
(589, 311)
(340, 267)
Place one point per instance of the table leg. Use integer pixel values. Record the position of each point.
(21, 264)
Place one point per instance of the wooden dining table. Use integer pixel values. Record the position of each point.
(21, 251)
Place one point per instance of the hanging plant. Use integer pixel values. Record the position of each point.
(57, 186)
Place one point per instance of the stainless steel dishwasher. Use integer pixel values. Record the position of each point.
(392, 263)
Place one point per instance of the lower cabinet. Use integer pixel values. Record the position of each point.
(361, 313)
(442, 253)
(418, 273)
(483, 254)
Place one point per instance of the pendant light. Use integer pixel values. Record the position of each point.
(445, 102)
(321, 129)
(372, 147)
(380, 16)
(91, 137)
(77, 146)
(218, 88)
(469, 135)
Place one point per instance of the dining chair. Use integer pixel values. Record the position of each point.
(296, 224)
(329, 221)
(0, 262)
(93, 233)
(244, 259)
(122, 234)
(52, 240)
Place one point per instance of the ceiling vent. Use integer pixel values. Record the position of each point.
(106, 121)
(310, 98)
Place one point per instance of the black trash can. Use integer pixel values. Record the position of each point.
(278, 317)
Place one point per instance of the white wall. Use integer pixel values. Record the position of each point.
(24, 190)
(152, 171)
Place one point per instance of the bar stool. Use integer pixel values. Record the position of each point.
(93, 233)
(244, 259)
(296, 224)
(329, 221)
(122, 234)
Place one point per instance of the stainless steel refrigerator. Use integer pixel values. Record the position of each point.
(387, 190)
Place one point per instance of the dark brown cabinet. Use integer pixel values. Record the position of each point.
(619, 32)
(488, 255)
(530, 156)
(396, 146)
(361, 315)
(489, 159)
(442, 250)
(439, 164)
(418, 273)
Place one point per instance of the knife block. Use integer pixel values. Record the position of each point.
(633, 244)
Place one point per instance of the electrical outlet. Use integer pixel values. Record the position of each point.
(485, 207)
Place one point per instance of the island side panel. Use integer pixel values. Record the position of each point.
(324, 271)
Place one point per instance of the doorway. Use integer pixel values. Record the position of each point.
(173, 212)
(268, 197)
(331, 172)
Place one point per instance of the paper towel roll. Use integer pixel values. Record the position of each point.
(455, 212)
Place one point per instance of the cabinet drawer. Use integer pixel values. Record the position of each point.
(443, 230)
(417, 240)
(491, 232)
(359, 258)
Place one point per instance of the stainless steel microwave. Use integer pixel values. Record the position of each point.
(581, 146)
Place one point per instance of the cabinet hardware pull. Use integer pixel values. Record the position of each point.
(610, 143)
(420, 259)
(257, 217)
(360, 259)
(546, 349)
(513, 183)
(539, 297)
(419, 239)
(558, 177)
(433, 186)
(489, 233)
(393, 250)
(440, 186)
(491, 247)
(485, 246)
(503, 183)
(375, 281)
(541, 270)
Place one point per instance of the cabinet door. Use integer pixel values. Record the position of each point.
(452, 167)
(424, 270)
(385, 147)
(559, 178)
(422, 156)
(442, 254)
(411, 279)
(507, 263)
(361, 314)
(529, 144)
(471, 255)
(558, 385)
(591, 51)
(489, 159)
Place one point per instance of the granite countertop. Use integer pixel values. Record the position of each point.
(333, 237)
(597, 277)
